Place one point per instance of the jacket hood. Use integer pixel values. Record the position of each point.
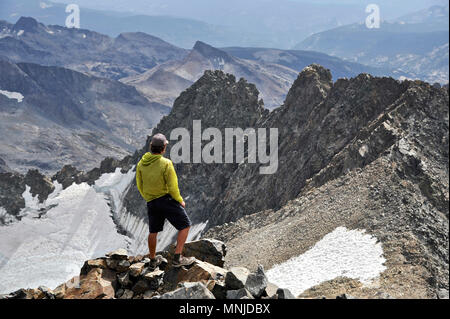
(149, 158)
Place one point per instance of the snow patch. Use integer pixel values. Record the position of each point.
(343, 252)
(20, 32)
(12, 95)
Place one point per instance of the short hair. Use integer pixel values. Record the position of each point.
(156, 149)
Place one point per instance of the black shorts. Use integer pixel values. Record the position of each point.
(166, 207)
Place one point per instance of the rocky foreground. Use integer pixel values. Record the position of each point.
(119, 276)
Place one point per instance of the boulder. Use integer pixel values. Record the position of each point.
(35, 294)
(49, 294)
(120, 254)
(239, 294)
(218, 289)
(123, 279)
(150, 280)
(97, 284)
(18, 294)
(154, 278)
(283, 293)
(195, 290)
(140, 286)
(203, 272)
(119, 265)
(236, 278)
(209, 250)
(256, 283)
(271, 290)
(135, 259)
(26, 294)
(93, 263)
(60, 291)
(197, 272)
(136, 269)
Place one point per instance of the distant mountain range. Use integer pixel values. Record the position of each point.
(416, 44)
(52, 116)
(159, 70)
(73, 108)
(130, 53)
(234, 23)
(272, 71)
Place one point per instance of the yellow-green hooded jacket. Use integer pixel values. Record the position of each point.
(156, 177)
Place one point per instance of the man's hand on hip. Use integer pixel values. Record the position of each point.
(183, 204)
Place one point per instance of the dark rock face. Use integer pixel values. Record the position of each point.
(69, 174)
(390, 179)
(218, 100)
(12, 187)
(317, 125)
(40, 185)
(314, 125)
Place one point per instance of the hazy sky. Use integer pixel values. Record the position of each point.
(217, 10)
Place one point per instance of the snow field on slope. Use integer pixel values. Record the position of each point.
(51, 249)
(347, 253)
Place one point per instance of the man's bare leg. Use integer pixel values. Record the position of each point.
(181, 239)
(152, 244)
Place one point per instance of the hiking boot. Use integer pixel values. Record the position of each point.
(182, 261)
(155, 262)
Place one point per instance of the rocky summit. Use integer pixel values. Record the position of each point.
(119, 276)
(361, 160)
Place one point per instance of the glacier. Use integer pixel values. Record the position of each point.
(50, 243)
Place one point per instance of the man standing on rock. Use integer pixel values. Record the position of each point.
(158, 184)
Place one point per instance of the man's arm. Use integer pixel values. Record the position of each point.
(172, 183)
(139, 182)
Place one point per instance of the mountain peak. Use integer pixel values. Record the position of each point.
(210, 52)
(312, 84)
(26, 24)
